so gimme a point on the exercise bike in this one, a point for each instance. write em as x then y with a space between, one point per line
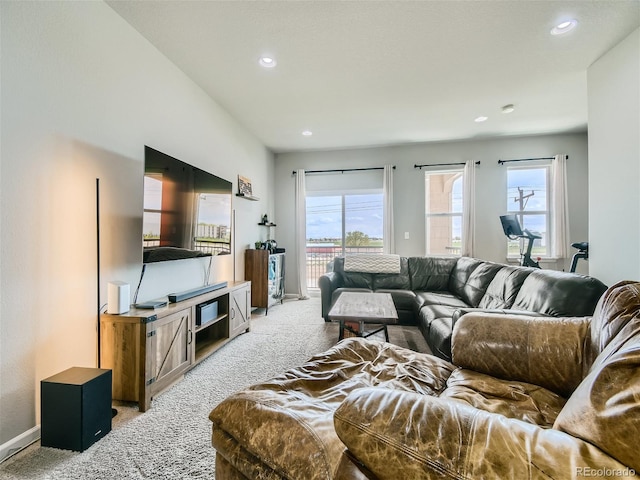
583 252
511 228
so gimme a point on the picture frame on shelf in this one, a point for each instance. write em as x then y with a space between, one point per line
244 186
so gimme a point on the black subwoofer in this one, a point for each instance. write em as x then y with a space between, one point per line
75 408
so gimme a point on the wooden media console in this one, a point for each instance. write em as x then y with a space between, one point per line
149 350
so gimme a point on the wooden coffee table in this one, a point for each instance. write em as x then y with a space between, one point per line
354 310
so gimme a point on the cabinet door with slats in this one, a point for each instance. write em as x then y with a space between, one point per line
239 310
169 342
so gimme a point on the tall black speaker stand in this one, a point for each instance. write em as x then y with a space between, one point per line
114 412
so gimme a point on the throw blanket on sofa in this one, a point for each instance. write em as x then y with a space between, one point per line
375 263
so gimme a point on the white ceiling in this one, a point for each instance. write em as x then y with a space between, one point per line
368 73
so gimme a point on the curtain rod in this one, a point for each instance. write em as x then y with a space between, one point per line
341 170
500 162
441 164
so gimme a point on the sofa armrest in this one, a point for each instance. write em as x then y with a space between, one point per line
328 282
545 351
399 434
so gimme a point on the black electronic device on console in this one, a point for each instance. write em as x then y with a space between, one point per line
194 292
206 312
151 304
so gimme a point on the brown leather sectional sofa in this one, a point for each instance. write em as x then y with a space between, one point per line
433 292
524 397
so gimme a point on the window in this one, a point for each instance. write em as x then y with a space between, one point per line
443 212
528 197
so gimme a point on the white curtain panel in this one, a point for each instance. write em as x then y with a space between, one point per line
387 228
301 234
468 209
560 212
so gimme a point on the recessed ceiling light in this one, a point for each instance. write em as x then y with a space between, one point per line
481 119
508 108
564 27
307 133
267 62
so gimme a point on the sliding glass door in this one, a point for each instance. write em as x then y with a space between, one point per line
340 224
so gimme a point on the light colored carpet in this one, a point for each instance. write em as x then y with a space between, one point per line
173 439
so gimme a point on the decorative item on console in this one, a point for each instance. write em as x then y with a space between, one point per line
270 245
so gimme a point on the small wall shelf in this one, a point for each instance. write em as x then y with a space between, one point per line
269 224
247 197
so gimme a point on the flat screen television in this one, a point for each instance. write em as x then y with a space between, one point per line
187 211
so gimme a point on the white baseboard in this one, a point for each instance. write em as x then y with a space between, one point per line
310 293
16 444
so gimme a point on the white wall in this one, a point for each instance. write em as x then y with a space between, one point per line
614 162
409 187
82 93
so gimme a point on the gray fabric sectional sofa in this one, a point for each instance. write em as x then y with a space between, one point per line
433 292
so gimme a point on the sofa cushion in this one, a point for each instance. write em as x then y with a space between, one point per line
431 273
604 410
402 299
439 340
393 280
338 291
399 435
352 279
616 308
460 274
438 298
435 324
545 351
357 280
429 313
524 401
478 282
503 289
559 293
